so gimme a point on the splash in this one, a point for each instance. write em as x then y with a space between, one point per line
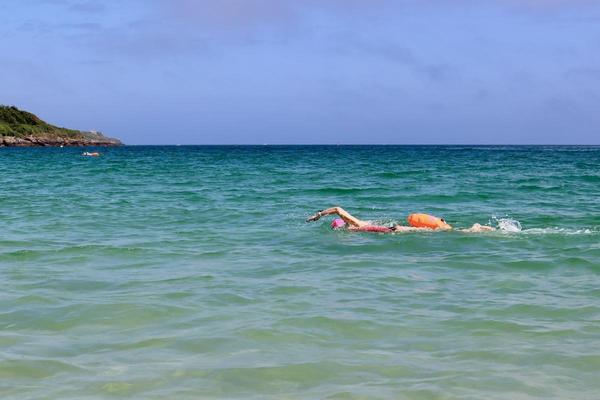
508 224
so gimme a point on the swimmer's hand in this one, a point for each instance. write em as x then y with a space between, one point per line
314 217
479 228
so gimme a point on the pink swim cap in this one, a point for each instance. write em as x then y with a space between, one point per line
337 223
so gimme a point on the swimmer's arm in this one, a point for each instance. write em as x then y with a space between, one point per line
345 215
478 228
402 228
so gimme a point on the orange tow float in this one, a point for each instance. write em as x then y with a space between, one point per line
427 221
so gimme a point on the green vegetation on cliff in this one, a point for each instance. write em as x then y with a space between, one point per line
18 123
22 128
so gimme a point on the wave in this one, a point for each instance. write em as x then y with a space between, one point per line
560 231
510 225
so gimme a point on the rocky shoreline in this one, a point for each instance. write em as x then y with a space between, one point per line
56 141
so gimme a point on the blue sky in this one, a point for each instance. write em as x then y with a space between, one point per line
310 71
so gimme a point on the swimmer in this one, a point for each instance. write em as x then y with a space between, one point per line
418 222
88 154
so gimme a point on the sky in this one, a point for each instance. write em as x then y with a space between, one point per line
308 71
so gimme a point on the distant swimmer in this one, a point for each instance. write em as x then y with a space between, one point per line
92 154
417 222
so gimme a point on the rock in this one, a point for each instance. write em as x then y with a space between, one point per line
44 141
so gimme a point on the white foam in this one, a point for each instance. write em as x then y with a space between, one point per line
508 224
559 231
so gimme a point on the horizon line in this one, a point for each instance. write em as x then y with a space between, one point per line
364 144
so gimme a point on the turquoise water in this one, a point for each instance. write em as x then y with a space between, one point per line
189 273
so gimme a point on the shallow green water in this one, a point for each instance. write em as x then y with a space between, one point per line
188 272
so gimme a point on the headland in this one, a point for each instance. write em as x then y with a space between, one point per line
20 128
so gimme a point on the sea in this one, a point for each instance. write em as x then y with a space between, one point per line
189 272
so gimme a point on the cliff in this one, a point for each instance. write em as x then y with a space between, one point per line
21 128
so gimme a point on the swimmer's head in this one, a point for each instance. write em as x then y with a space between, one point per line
337 223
